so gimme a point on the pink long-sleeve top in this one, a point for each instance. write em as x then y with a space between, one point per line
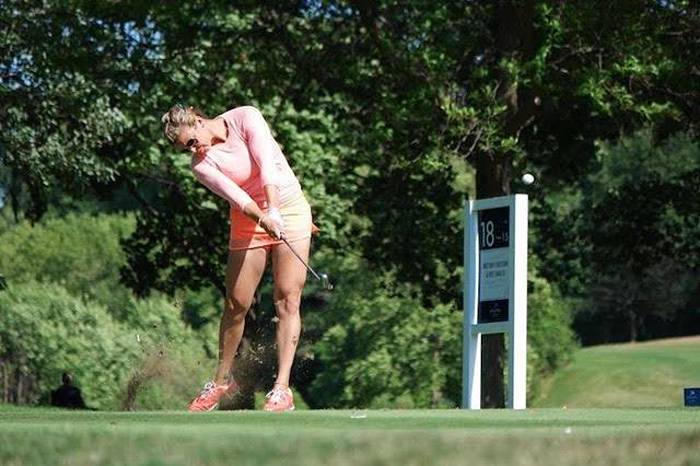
250 158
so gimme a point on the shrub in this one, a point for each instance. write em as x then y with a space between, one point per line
47 331
80 252
550 339
378 345
150 361
173 362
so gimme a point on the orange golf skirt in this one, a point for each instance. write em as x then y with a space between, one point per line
246 234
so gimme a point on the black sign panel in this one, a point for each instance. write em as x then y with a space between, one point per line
494 241
493 311
494 228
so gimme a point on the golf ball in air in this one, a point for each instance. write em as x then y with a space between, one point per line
528 178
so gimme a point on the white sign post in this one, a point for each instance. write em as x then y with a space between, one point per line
495 291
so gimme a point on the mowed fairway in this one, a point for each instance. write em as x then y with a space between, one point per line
649 374
532 437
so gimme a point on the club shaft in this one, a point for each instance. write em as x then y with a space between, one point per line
302 260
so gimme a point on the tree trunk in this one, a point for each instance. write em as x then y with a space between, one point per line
634 324
491 182
514 34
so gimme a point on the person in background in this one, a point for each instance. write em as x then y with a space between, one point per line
67 395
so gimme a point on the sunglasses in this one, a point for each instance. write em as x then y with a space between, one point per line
190 143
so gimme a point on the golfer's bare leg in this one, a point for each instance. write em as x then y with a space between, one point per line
243 273
289 276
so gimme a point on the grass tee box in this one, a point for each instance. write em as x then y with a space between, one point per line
531 437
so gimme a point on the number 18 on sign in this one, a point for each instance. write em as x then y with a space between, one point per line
495 291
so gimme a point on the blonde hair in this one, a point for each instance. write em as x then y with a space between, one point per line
177 117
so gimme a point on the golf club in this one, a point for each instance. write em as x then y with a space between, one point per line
323 278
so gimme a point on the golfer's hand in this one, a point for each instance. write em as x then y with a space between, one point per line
273 223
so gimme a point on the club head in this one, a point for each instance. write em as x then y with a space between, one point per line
325 282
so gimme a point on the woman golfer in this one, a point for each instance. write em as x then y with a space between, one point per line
236 157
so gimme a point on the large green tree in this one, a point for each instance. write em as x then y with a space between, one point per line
547 79
67 73
374 102
644 270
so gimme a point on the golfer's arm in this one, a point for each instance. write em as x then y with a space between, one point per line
253 211
262 147
221 185
272 193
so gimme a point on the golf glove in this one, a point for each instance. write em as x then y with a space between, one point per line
273 223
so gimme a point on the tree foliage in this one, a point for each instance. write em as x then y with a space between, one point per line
46 331
383 108
66 72
646 266
148 361
80 252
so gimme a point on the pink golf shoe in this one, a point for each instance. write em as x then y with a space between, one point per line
279 399
208 399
